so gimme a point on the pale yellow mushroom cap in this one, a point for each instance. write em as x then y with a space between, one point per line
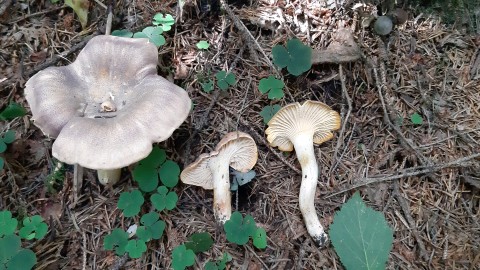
311 117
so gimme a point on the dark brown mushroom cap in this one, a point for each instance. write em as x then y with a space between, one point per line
237 149
108 106
311 117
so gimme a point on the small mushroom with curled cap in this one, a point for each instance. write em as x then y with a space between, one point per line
107 107
211 171
300 126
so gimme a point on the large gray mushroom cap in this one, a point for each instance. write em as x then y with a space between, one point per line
108 106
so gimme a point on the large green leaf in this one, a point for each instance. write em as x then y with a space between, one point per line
361 236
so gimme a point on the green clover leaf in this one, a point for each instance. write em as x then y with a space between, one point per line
9 136
33 227
416 119
130 202
182 257
273 86
239 229
153 224
8 225
13 256
164 199
153 167
165 21
154 34
169 173
13 110
297 57
224 79
117 240
135 248
260 238
268 112
207 86
23 259
199 242
203 45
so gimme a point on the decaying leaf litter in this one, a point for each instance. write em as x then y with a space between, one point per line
424 178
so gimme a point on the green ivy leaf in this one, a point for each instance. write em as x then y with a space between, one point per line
9 136
154 34
169 173
164 199
165 21
182 257
13 110
238 229
268 112
224 79
273 86
8 225
122 33
416 119
199 242
33 227
130 202
260 238
117 240
361 236
296 56
203 45
207 86
135 248
153 224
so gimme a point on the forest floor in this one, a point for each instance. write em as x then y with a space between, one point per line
425 178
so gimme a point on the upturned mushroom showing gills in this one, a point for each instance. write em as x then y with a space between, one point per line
211 171
300 126
107 107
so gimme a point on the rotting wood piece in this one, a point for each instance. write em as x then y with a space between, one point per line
342 49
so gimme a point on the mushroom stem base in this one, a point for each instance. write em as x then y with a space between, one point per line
222 198
109 176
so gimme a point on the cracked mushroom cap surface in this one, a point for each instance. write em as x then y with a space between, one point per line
237 149
311 117
107 107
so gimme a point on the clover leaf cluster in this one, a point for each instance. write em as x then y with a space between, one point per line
13 110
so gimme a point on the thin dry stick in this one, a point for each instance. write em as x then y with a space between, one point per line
411 222
414 171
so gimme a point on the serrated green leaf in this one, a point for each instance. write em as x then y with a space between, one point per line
273 86
361 236
130 202
238 229
203 45
117 240
146 177
169 173
182 257
8 225
12 111
122 33
135 248
416 119
33 227
297 57
260 238
268 112
9 136
80 7
199 242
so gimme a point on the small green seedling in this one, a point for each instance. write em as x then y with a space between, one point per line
219 265
416 119
203 45
122 33
153 33
296 57
130 202
12 111
156 166
268 112
135 248
199 242
224 79
13 256
240 179
273 86
152 223
8 225
182 257
239 229
117 240
207 86
33 228
7 138
165 21
164 199
361 236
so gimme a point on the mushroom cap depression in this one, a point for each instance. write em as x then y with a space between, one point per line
237 149
107 107
312 117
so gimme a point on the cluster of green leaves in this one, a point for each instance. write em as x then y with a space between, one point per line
240 229
361 236
161 23
13 110
12 255
147 174
224 81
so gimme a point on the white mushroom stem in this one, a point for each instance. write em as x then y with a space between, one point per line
109 176
222 198
303 144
